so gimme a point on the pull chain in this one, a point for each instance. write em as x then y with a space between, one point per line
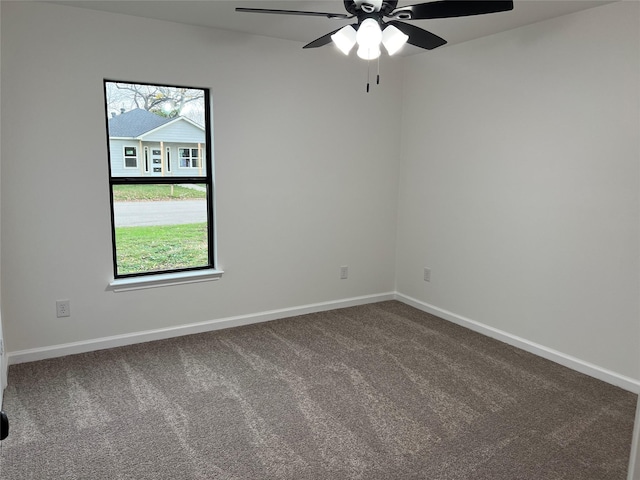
368 68
369 73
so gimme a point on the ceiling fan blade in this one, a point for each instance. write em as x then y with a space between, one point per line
322 41
295 12
451 8
419 37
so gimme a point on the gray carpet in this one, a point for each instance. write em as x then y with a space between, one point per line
381 391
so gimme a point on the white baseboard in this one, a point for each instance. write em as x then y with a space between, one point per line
576 364
568 361
54 351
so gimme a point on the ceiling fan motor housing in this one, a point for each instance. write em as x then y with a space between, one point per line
358 7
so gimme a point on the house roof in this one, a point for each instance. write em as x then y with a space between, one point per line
135 123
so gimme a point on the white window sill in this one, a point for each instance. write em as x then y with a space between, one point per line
164 280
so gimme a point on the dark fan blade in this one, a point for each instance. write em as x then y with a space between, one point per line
451 8
295 12
419 37
322 41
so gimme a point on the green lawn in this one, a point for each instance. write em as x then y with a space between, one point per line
164 247
132 193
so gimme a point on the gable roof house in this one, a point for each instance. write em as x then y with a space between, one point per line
142 143
494 183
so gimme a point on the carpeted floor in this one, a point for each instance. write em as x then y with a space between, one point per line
380 391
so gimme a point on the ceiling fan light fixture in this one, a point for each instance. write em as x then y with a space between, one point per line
369 35
371 15
393 39
345 39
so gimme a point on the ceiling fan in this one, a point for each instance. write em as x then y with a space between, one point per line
370 30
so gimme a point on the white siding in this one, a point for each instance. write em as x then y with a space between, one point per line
180 131
116 152
116 148
179 134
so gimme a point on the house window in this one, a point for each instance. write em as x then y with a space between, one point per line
160 224
130 157
189 157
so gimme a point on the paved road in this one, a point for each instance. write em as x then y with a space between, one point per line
129 214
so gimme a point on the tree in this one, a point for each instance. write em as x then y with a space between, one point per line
161 100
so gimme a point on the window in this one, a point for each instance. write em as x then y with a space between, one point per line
130 157
189 157
146 159
162 220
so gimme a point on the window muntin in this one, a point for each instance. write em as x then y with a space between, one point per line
162 219
189 157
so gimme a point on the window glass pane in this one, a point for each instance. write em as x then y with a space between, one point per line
130 162
160 227
162 116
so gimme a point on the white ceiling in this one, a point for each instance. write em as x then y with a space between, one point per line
221 14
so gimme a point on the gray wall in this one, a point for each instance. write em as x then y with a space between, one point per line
518 177
306 171
519 184
3 358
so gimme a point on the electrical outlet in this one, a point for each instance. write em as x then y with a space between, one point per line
63 308
344 272
427 274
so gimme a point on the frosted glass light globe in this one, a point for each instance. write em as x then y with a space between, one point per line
345 39
393 39
369 53
369 34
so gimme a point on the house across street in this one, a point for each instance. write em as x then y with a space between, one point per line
143 144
